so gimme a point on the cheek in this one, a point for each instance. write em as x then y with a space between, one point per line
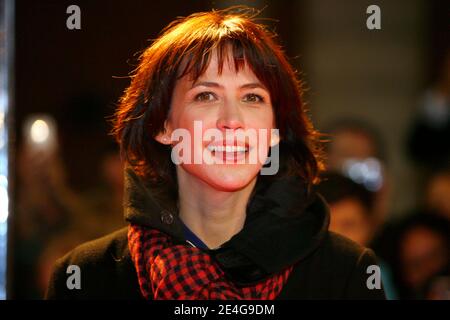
261 118
186 119
265 123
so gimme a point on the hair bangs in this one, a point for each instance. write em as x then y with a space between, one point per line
234 50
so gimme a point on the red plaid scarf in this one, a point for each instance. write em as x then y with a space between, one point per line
167 271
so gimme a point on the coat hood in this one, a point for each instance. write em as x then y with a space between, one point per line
284 224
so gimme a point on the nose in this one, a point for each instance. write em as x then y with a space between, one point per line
230 117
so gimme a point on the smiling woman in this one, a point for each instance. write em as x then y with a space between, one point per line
218 230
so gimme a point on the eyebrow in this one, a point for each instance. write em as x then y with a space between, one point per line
206 84
211 84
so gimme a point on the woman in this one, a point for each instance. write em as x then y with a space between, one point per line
217 228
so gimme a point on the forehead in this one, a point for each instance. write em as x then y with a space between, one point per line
217 66
228 70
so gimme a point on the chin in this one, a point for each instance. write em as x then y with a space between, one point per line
226 178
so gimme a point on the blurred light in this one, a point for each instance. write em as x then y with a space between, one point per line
367 172
3 204
39 131
3 101
2 123
6 70
3 231
3 181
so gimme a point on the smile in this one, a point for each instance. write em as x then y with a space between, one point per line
227 149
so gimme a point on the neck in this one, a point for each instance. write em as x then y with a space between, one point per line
214 216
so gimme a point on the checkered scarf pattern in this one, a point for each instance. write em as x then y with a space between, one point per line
181 272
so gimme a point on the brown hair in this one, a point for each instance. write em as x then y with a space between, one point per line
185 47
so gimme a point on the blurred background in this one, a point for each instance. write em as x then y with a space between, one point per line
382 96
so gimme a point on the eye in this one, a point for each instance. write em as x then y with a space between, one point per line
205 96
253 98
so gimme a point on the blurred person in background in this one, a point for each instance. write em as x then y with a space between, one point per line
45 206
421 257
105 197
355 149
428 139
352 215
437 195
51 217
351 207
416 244
103 214
422 249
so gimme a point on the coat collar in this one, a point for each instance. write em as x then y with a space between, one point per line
283 226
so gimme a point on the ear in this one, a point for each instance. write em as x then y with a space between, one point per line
274 137
165 136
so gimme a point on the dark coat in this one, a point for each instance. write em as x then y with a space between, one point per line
285 225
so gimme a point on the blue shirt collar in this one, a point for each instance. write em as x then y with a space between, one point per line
193 239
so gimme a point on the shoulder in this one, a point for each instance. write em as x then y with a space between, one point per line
99 250
359 268
345 251
338 269
105 270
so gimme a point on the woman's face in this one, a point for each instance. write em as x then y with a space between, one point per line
229 103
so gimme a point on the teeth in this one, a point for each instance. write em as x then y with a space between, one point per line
227 148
